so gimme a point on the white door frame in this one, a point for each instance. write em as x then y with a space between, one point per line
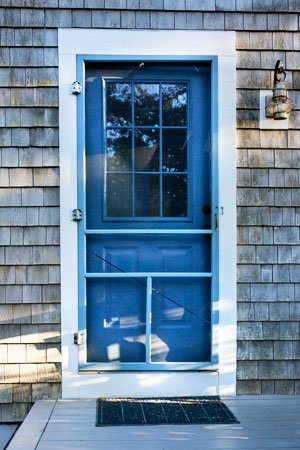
157 43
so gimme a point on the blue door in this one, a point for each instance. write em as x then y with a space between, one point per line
146 241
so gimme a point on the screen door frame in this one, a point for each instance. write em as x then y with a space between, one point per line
149 277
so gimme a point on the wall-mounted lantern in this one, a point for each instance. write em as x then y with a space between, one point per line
279 105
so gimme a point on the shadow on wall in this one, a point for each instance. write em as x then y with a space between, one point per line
30 357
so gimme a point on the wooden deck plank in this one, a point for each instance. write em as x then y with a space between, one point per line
29 433
178 445
74 412
75 404
190 428
251 424
168 432
72 419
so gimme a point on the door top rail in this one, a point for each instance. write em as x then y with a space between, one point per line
148 274
149 231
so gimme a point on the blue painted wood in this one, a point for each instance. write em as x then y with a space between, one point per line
81 59
148 320
149 274
148 231
148 253
142 227
165 366
214 192
80 99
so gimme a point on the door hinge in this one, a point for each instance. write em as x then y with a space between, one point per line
76 88
78 338
77 215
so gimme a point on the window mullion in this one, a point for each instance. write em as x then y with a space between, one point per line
148 319
133 149
160 154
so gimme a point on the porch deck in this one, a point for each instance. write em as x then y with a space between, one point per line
266 422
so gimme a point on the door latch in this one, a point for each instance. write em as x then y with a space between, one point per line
77 215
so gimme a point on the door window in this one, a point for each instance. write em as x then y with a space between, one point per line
146 149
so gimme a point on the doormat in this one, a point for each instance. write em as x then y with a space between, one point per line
162 411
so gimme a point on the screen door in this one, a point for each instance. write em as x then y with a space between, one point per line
146 242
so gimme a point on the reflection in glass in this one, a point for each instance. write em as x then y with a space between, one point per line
118 150
146 104
118 195
118 104
180 320
174 195
147 195
174 150
174 101
146 143
116 313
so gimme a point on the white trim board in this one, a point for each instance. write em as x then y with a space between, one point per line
145 43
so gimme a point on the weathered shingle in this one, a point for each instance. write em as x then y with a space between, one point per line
106 19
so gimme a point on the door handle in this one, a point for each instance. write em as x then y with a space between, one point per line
216 221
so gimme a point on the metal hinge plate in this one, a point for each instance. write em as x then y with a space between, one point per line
76 88
78 338
77 215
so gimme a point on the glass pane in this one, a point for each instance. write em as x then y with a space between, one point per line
180 320
146 104
118 104
118 150
148 253
174 195
119 195
174 150
147 195
146 144
174 98
116 311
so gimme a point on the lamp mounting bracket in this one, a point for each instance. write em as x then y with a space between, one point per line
279 72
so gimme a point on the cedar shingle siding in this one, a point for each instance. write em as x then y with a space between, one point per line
268 165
